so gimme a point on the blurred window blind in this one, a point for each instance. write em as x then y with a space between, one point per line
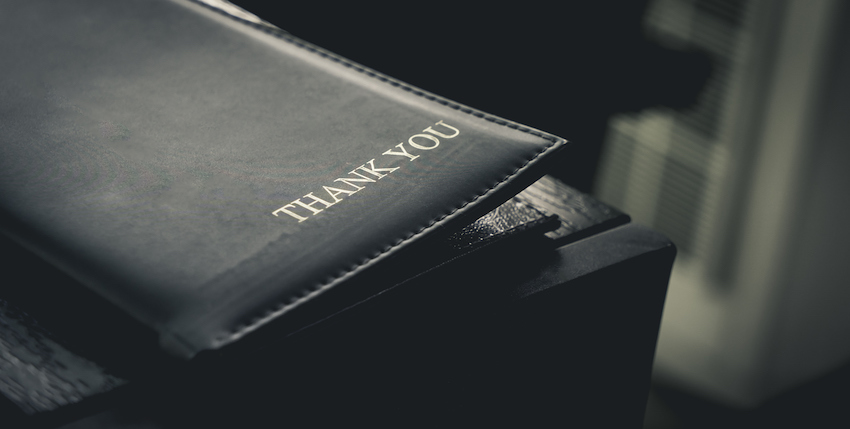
667 168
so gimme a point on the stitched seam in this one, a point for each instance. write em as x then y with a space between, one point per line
283 307
294 300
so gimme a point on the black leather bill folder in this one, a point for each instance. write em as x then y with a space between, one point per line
188 196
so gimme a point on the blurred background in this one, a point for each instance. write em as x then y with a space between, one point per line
721 123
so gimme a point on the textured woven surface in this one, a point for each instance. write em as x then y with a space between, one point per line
38 373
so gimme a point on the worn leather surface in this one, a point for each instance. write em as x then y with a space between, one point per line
145 145
509 218
581 215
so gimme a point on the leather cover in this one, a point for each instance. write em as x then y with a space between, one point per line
209 176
